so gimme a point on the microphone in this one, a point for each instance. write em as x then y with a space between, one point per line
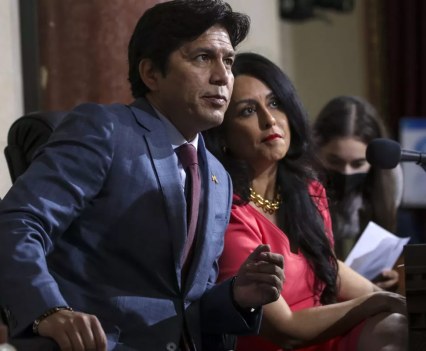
387 153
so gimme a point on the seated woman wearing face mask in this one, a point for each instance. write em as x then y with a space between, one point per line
358 192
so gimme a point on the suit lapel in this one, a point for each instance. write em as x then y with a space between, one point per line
165 166
169 180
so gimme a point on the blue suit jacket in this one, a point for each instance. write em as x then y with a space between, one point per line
98 223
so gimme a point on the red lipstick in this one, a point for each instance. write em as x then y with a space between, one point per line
272 137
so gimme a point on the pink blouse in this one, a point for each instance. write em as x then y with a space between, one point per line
247 229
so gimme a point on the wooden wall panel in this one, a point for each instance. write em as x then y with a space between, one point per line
83 50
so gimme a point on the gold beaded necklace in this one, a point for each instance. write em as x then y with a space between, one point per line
268 206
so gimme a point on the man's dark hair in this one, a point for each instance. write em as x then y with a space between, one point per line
165 27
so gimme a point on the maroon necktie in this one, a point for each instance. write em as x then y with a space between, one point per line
188 157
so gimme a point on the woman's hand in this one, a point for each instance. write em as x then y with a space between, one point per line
387 280
316 324
387 301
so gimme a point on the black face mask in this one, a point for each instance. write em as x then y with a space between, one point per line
340 184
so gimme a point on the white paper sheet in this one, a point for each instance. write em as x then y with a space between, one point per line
376 250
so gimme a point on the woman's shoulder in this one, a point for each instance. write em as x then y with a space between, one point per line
239 206
242 212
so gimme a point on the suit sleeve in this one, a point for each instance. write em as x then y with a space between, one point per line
217 304
222 315
61 181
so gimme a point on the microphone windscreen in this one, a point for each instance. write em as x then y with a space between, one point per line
383 153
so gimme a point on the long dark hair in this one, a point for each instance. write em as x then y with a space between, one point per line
166 26
299 216
353 116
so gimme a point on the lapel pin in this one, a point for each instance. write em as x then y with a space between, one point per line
214 179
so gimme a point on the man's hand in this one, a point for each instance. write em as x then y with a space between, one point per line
260 278
74 331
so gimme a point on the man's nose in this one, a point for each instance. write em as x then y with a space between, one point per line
220 74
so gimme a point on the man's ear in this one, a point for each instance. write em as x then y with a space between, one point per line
149 74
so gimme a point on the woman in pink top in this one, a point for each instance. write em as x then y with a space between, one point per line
264 142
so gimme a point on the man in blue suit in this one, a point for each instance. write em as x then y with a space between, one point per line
92 235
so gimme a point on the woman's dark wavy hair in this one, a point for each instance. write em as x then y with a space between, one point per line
299 216
166 26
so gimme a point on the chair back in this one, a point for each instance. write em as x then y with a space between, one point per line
25 136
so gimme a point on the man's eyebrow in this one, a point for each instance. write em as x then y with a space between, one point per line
212 52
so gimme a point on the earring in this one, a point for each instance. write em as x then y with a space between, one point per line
224 149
